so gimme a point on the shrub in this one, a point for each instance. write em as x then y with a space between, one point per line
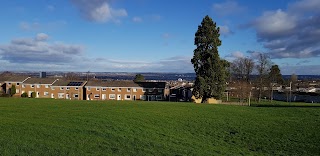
24 95
5 95
13 90
33 95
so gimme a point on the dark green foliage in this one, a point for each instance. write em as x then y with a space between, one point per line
275 75
66 127
13 90
33 94
139 78
24 95
211 71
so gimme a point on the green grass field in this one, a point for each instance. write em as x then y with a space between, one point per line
61 127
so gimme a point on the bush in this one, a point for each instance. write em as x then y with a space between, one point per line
33 95
24 95
5 95
13 90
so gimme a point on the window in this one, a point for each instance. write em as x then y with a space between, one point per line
68 88
46 86
144 90
17 91
76 88
61 88
128 89
38 86
97 89
151 90
112 96
45 93
9 83
128 97
23 86
142 97
160 90
32 86
104 89
96 96
119 89
134 89
88 88
75 95
112 89
17 84
159 97
60 95
52 88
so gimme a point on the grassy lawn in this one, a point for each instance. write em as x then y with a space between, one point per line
64 127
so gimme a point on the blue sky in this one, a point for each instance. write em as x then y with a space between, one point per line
154 35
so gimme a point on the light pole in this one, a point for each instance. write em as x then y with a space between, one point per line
290 92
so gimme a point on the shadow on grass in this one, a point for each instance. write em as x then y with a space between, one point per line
302 106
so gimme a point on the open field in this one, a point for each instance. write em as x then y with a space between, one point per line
61 127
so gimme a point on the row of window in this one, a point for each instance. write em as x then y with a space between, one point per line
128 89
128 97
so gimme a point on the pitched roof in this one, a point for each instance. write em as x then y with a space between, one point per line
40 80
17 78
63 82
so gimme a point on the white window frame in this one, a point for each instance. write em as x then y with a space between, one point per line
46 86
38 86
114 96
113 89
97 89
52 88
126 97
46 93
76 88
119 89
96 96
31 86
134 89
129 90
74 95
61 88
60 95
104 89
144 89
67 88
18 84
88 88
23 86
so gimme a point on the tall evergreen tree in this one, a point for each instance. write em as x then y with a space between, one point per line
139 78
211 71
275 75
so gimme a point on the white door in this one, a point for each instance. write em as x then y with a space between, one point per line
52 96
119 97
104 96
67 96
37 94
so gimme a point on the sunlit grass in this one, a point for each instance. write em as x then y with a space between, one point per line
64 127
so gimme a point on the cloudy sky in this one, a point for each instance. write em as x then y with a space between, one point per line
154 35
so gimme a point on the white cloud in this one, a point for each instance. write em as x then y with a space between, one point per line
275 23
99 10
227 8
290 33
224 30
137 19
38 51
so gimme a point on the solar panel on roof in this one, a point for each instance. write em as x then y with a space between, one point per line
74 83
